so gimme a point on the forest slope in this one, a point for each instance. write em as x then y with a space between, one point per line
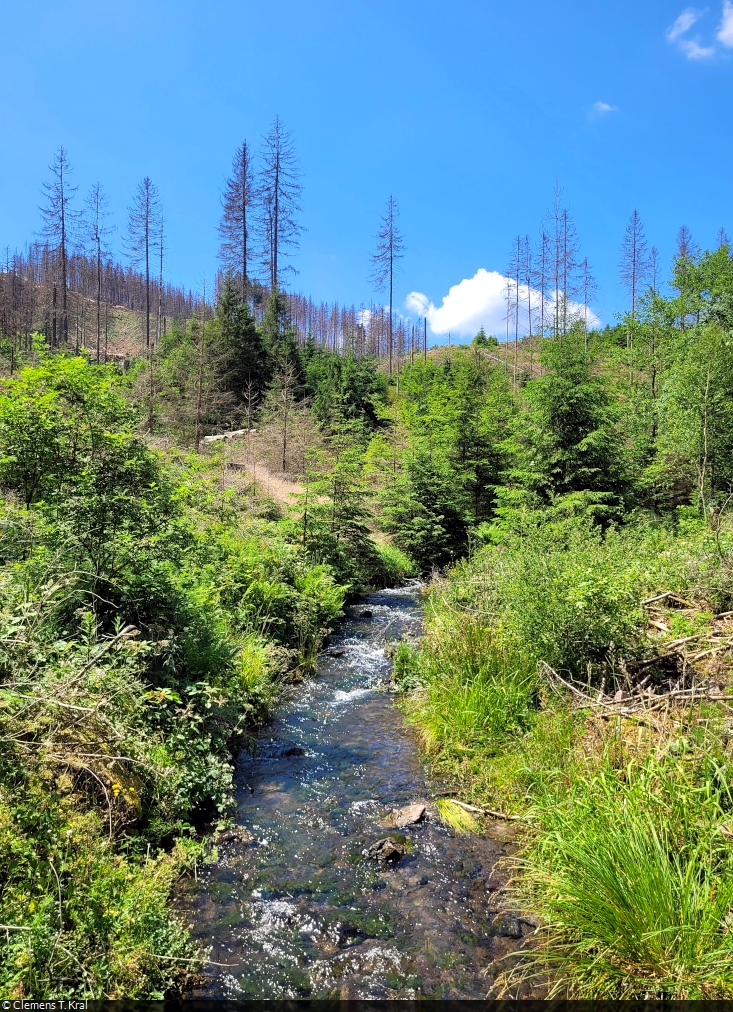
576 670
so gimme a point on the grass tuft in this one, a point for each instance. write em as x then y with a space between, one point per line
635 879
456 818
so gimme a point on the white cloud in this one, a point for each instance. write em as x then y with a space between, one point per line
684 23
478 302
694 51
692 48
602 109
725 31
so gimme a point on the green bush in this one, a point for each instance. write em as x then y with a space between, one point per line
627 859
146 623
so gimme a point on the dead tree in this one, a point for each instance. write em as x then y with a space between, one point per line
279 194
514 273
238 205
654 286
283 400
385 262
633 270
143 229
202 360
60 221
160 325
529 280
634 265
563 261
589 289
97 232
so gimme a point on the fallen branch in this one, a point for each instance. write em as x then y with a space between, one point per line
485 811
182 959
705 653
670 596
687 639
659 625
126 633
595 704
56 702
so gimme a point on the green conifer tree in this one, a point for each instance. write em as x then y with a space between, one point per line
244 363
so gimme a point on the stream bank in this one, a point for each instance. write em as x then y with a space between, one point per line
292 906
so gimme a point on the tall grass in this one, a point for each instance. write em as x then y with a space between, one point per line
627 856
468 701
633 872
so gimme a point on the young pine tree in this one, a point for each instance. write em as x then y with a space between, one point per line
244 364
565 440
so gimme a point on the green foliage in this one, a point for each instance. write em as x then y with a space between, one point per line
424 512
560 500
278 336
440 483
347 391
634 876
705 286
394 565
696 415
146 622
627 858
456 817
57 422
482 341
94 919
565 439
243 361
330 521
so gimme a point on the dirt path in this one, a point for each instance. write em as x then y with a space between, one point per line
274 486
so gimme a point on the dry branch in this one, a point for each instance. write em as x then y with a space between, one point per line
485 811
637 705
668 595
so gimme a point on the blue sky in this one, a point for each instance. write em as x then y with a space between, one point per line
468 112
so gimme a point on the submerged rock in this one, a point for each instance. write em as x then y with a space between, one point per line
366 614
336 652
506 925
285 751
388 850
346 934
234 833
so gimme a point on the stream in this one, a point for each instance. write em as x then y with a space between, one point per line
292 906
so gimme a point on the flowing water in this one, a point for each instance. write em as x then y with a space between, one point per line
292 906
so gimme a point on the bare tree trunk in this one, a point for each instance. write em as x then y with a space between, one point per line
703 464
389 250
199 397
391 280
99 303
